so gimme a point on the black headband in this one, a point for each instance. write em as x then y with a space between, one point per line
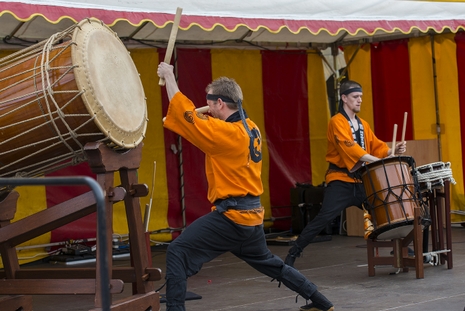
354 89
216 97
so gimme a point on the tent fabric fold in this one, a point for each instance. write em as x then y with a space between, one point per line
271 21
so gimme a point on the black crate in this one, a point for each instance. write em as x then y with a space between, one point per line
306 202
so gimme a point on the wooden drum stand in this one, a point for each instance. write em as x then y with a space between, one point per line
18 284
400 258
439 204
440 215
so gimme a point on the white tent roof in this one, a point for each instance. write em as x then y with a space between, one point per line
301 23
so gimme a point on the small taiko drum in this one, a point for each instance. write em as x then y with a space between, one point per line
432 176
79 86
391 196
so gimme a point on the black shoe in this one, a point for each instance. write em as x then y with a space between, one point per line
294 252
428 259
411 252
290 259
311 307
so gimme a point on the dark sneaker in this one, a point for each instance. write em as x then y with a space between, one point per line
290 259
428 259
411 252
311 307
294 252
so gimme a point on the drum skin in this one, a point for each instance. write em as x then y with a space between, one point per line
391 199
84 88
114 92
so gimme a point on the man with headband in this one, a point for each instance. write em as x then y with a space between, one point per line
351 143
233 162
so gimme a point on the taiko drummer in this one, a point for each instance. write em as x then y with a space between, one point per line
351 143
233 161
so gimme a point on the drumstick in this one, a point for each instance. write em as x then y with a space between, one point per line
394 140
171 41
203 109
148 207
404 126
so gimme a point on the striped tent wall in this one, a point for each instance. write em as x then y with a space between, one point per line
430 95
285 94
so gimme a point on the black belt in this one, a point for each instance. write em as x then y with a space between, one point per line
356 175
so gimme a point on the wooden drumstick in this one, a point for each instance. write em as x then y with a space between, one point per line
171 41
394 140
404 126
148 207
203 109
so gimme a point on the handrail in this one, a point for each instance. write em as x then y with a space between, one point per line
101 224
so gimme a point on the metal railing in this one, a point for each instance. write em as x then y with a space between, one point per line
101 224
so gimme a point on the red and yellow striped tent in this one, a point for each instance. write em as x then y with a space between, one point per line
408 55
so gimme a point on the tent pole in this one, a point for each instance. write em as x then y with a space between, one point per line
332 100
436 100
335 53
344 71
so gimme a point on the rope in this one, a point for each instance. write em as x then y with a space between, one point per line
435 256
368 224
44 96
54 162
434 176
48 90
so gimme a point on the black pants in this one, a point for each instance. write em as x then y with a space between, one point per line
212 235
338 196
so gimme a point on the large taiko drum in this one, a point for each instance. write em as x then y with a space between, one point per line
78 86
391 196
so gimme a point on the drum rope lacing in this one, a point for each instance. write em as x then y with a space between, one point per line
47 89
435 175
75 156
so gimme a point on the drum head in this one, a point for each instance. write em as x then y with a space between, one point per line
397 159
392 232
113 91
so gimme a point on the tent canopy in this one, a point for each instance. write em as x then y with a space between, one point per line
298 24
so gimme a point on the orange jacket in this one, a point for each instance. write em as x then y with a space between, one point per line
344 152
229 169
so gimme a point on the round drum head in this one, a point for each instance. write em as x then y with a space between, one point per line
113 91
393 233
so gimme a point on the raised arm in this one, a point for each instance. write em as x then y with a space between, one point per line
165 71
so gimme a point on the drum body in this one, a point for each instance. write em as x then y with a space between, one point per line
391 197
78 86
432 176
